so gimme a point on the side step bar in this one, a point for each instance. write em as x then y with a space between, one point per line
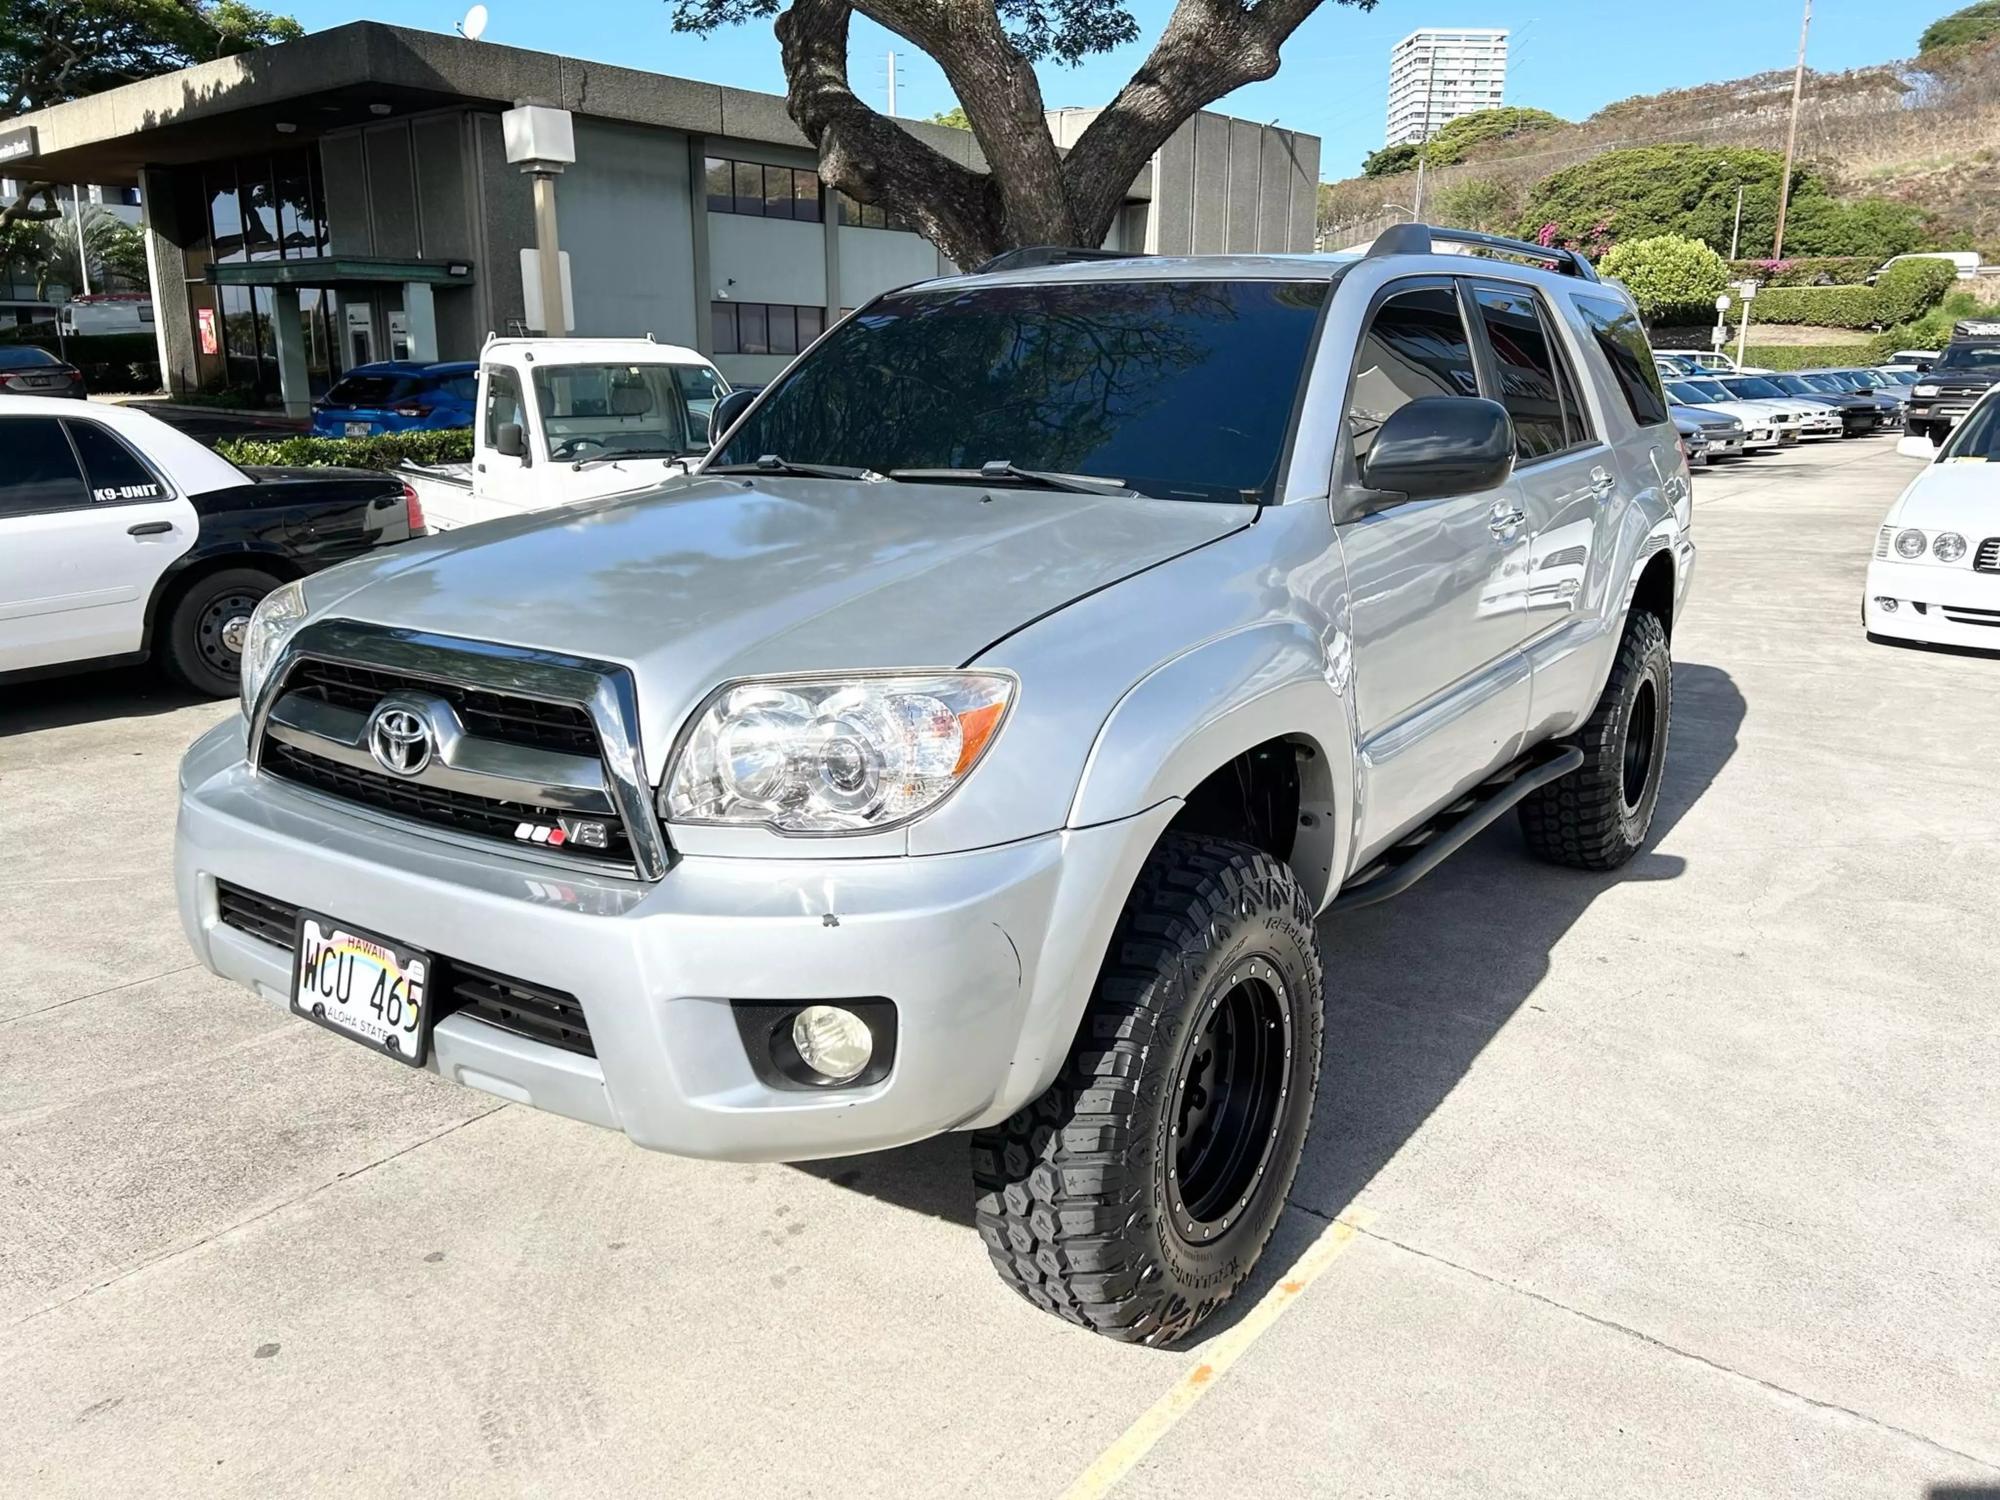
1403 864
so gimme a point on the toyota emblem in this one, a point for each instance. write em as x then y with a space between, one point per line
400 739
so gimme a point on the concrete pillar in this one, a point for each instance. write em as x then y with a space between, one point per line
420 312
167 270
829 214
291 337
704 288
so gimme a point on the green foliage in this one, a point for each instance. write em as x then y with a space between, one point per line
1457 138
1805 270
1820 356
1819 306
56 50
1391 160
1667 272
1488 203
453 445
1933 329
955 117
1911 288
1691 191
1976 23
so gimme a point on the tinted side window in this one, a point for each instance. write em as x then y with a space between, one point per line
503 403
1534 381
37 467
1415 346
116 476
1623 343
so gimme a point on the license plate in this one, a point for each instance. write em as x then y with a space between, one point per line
363 986
41 381
359 429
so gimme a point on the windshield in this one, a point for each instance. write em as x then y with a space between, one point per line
1977 439
1176 389
1756 387
611 411
24 356
1710 390
1797 385
372 390
1971 357
1686 393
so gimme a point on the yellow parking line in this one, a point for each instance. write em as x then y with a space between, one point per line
1115 1462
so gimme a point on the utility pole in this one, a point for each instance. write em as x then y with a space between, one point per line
1424 141
1736 234
892 85
1792 137
82 258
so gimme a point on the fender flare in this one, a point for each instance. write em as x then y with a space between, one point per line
1198 711
272 558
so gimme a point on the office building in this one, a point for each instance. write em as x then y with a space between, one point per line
1438 74
346 197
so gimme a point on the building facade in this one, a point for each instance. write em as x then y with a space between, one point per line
1438 74
346 198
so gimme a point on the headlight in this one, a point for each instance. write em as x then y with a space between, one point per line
1909 544
281 612
1948 546
833 755
1925 390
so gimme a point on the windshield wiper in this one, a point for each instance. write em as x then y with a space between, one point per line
612 458
1000 470
770 463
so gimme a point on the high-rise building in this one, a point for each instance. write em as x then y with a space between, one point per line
1440 73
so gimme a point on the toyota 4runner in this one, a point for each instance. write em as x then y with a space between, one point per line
975 741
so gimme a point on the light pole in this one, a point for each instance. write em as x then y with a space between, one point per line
1749 290
1792 137
1736 233
541 140
1424 141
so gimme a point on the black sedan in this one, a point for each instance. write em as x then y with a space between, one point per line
1859 415
28 371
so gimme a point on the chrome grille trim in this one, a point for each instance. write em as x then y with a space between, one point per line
602 689
1987 558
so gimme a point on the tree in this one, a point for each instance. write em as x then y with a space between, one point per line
1031 193
52 51
1976 23
1667 273
1486 203
954 117
1391 160
1456 138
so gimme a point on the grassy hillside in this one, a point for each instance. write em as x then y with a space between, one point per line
1922 133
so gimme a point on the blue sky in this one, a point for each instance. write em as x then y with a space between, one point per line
1570 56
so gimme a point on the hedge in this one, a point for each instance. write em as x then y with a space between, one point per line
1911 288
450 446
1815 356
1805 270
1821 306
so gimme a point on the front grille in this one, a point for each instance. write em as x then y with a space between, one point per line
1987 558
437 807
487 714
553 1017
1959 615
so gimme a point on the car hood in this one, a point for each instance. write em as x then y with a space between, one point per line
713 579
1961 497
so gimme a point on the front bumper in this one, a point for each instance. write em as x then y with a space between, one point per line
988 957
1936 604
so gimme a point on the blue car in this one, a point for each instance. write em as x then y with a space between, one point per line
397 395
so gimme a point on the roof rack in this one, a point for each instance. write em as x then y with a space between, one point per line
1976 328
1419 239
1030 256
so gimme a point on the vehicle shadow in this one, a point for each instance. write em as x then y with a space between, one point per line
1416 988
111 693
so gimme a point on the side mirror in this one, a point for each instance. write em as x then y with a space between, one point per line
1441 445
508 440
727 410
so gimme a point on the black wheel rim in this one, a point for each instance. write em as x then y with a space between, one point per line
218 634
1641 729
1230 1093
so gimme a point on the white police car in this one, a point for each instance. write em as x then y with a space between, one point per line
1935 575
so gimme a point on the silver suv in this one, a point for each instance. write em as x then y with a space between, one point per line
974 743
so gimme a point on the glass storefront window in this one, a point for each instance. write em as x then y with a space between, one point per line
225 219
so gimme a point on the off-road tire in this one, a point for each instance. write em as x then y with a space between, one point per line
191 647
1596 818
1078 1192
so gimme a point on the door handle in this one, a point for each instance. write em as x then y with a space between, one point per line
150 528
1504 521
1601 485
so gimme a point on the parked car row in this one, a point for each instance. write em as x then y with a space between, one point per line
1732 415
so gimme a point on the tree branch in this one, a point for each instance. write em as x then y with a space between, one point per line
870 156
18 211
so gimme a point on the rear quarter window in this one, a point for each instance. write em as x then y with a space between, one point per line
1617 336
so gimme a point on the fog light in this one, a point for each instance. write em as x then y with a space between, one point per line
834 1043
1887 606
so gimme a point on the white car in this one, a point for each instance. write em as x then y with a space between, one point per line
1935 576
1766 424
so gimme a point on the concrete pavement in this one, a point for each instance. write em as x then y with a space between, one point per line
1682 1182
